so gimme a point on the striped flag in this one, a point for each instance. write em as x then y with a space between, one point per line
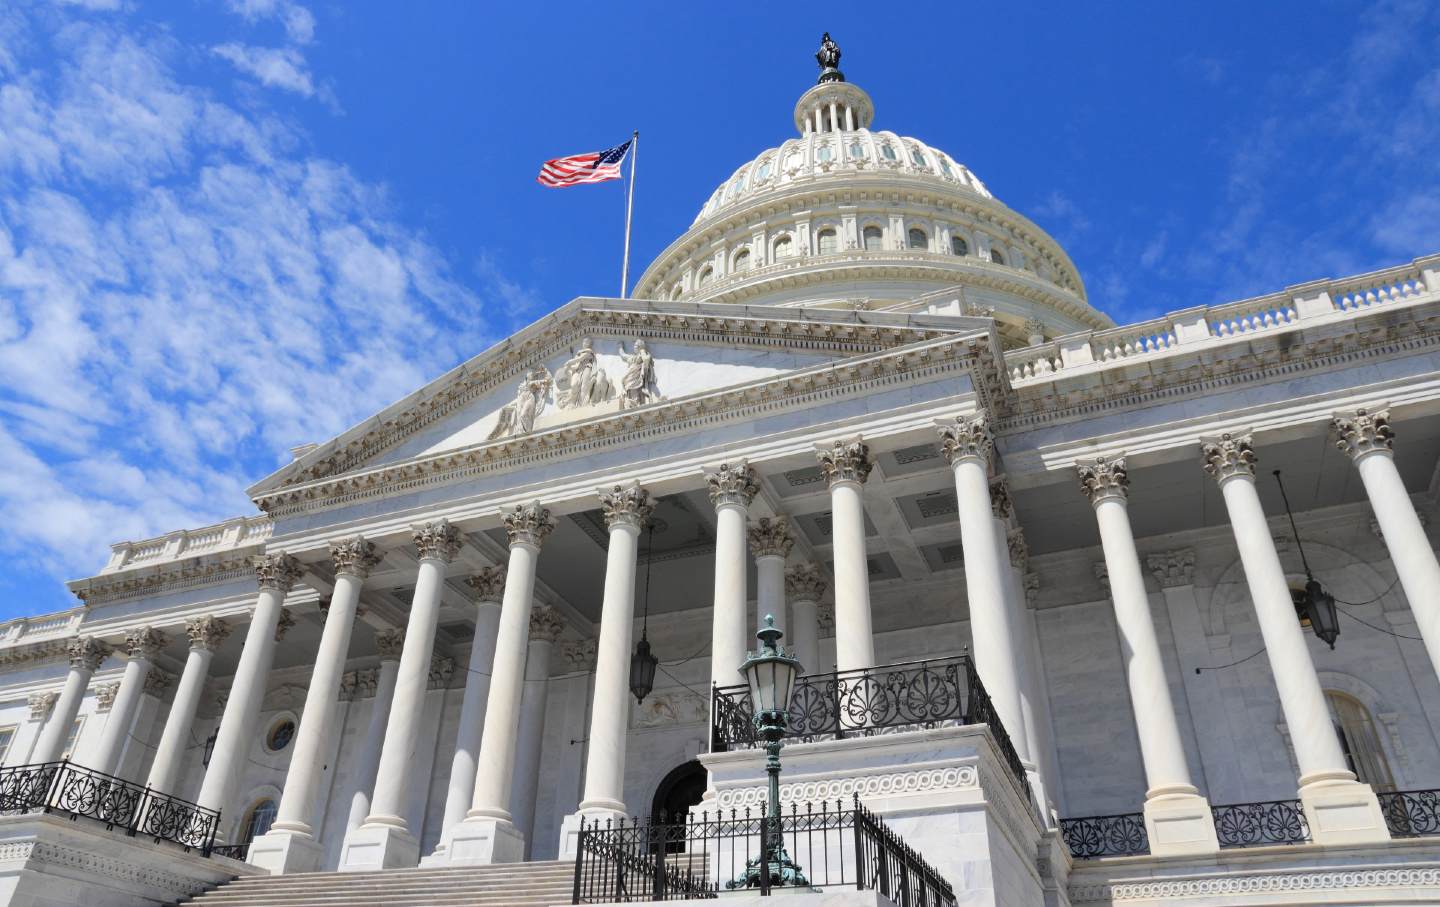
595 167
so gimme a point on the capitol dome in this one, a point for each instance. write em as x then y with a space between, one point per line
846 216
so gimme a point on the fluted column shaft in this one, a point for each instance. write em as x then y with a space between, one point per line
141 647
490 583
847 465
368 759
206 634
86 653
732 488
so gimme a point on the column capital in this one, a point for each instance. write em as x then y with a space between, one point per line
389 644
354 556
41 703
626 506
845 461
438 541
1360 432
732 483
1228 456
546 624
86 652
144 642
157 682
966 438
528 524
1000 504
277 571
805 582
1032 588
1173 568
206 632
770 537
825 619
1103 479
580 654
1019 548
284 623
105 694
488 583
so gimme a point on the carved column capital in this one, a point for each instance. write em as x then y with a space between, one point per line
805 582
389 644
1103 480
1019 548
144 642
732 483
437 541
546 624
1173 568
41 704
354 556
1000 504
579 654
1032 588
488 583
105 694
1228 456
770 537
966 438
277 571
845 461
283 625
528 524
206 632
86 652
825 619
1360 432
157 682
626 505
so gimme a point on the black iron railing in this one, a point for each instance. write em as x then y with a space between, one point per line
1411 813
233 851
76 791
916 694
1120 835
1258 824
701 856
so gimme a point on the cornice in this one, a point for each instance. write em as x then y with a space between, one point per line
170 577
35 652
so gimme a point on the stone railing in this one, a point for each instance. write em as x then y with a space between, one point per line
48 626
183 543
1328 299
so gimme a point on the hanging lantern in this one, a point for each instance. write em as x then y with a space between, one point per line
1320 608
643 663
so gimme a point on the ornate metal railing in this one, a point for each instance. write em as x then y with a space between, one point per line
1258 824
1120 835
233 851
701 856
1411 813
76 791
910 695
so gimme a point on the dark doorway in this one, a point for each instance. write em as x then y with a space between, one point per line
681 789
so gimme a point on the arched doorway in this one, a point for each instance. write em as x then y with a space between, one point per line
679 790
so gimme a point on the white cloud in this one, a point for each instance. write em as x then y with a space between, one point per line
298 21
273 67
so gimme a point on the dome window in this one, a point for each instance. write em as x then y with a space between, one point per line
824 153
918 239
783 247
918 158
741 261
945 167
793 161
762 173
827 242
857 151
704 277
996 257
958 246
887 151
874 239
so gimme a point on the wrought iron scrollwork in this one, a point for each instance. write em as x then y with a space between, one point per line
1411 813
1256 824
1105 836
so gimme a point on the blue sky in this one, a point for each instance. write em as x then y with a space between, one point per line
228 227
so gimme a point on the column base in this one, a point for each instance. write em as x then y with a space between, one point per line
570 828
480 841
374 846
1342 812
1180 825
280 852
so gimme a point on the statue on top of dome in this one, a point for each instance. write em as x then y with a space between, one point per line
828 56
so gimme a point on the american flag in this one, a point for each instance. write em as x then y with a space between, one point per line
594 167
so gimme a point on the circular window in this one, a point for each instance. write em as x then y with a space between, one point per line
280 735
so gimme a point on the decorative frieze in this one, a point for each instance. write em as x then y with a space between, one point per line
805 582
579 654
105 694
144 642
41 704
546 624
284 623
438 541
277 571
626 506
732 484
86 652
206 632
528 524
917 782
770 537
966 438
1362 432
1103 480
389 644
488 583
359 684
1228 456
157 682
1173 568
845 461
354 556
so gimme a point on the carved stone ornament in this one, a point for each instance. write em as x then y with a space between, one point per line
144 642
354 556
438 541
638 386
581 382
732 483
518 417
389 644
277 571
105 695
626 506
442 669
41 704
157 682
546 624
1033 327
1361 432
966 438
86 652
845 461
1000 504
1228 456
1102 576
528 524
1173 568
825 619
1103 480
206 632
283 625
488 583
805 582
1032 587
579 654
770 537
1019 548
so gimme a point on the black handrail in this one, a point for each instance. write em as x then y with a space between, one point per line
1258 824
1411 813
1121 835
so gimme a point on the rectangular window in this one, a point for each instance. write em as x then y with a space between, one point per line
74 736
7 737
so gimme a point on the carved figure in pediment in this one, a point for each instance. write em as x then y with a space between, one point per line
638 384
581 381
518 417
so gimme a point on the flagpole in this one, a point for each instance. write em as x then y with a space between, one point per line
629 208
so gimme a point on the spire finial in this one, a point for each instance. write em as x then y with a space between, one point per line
828 56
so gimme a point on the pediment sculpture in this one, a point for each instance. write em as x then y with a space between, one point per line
579 385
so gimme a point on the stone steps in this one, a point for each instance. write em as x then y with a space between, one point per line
501 885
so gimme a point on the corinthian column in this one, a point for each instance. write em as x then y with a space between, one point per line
388 645
141 647
804 585
770 542
206 634
1369 440
546 625
489 834
1339 809
385 841
1177 818
732 488
291 844
86 653
275 573
847 465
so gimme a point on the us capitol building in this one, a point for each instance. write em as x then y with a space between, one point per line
1061 633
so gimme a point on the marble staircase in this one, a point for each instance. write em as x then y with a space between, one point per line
500 885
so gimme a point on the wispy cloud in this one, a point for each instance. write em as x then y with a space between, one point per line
298 21
273 67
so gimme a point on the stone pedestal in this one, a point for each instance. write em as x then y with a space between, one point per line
482 840
1342 811
570 828
1179 825
286 851
373 846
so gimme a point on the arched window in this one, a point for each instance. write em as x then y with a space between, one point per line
996 257
887 151
704 277
741 262
783 247
257 821
918 239
874 239
917 157
827 242
1360 742
824 153
762 173
857 151
958 246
